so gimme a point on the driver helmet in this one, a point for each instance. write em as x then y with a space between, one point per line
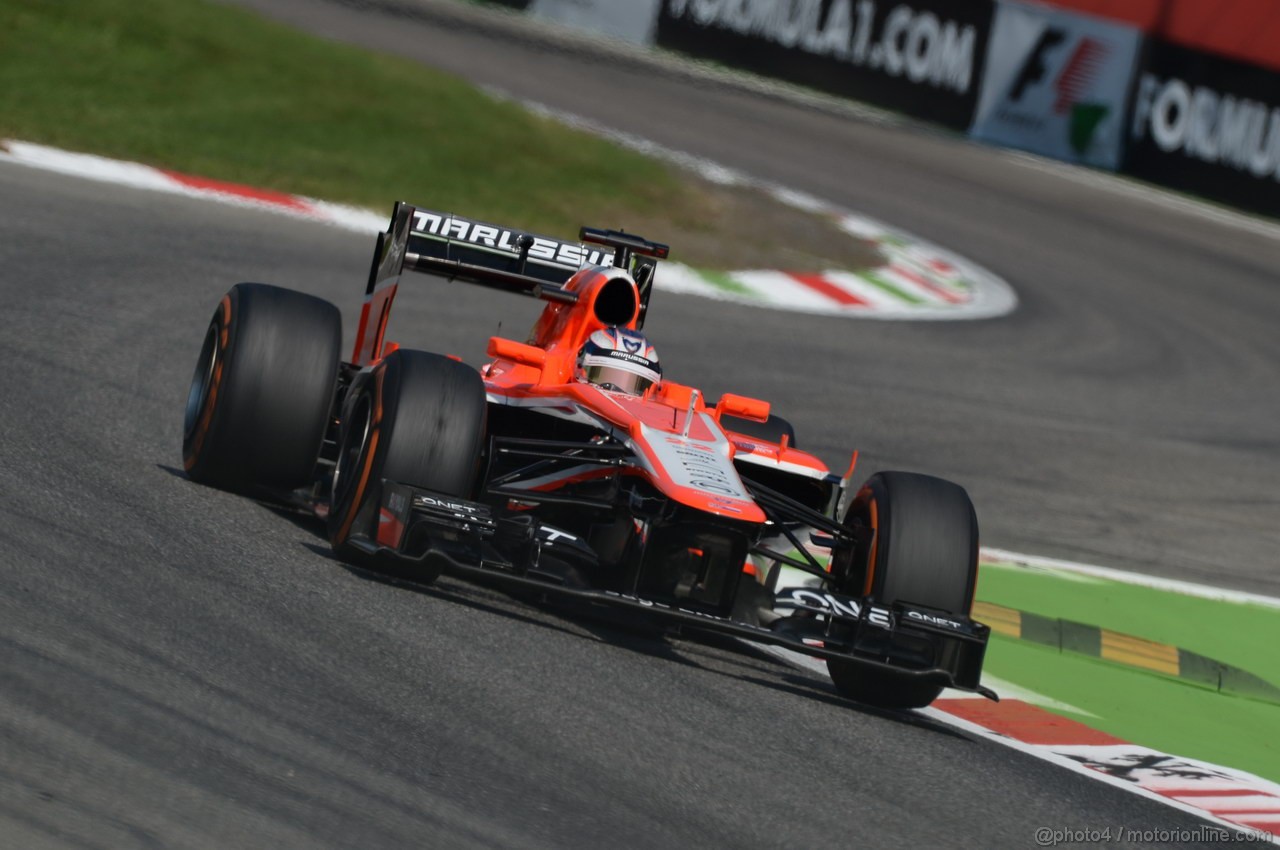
620 360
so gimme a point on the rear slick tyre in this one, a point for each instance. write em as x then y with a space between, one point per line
924 553
260 398
417 419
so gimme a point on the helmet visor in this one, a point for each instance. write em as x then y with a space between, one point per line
619 380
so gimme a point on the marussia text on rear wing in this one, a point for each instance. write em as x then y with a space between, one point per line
488 255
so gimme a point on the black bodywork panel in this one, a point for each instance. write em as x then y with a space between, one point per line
614 543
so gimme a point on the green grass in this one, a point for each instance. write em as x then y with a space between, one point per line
1245 636
1174 715
219 92
1147 709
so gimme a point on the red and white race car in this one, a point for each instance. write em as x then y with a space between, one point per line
569 462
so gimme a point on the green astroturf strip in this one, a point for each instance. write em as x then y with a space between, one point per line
1152 710
1147 709
219 92
896 292
1245 636
723 281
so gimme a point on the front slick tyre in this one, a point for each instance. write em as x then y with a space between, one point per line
924 553
261 394
417 419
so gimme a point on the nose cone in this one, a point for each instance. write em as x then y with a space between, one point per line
695 469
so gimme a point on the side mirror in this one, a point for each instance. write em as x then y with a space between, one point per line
743 407
517 352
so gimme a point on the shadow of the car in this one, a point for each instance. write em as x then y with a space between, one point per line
629 632
709 653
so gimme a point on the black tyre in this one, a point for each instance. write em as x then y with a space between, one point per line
772 429
924 553
416 418
261 394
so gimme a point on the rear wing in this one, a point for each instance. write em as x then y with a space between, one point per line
488 255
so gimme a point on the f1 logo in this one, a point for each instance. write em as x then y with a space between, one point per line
1034 67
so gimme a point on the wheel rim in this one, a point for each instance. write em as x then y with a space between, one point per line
351 456
201 381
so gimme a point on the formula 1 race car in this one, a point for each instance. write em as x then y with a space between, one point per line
570 464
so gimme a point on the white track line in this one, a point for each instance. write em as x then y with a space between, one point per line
138 176
1185 588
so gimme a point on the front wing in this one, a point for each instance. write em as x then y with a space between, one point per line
434 532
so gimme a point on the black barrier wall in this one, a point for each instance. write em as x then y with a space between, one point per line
1207 125
924 58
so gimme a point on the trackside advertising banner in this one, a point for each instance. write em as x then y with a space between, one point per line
1207 125
632 20
922 57
1056 84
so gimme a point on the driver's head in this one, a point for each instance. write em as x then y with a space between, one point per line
620 360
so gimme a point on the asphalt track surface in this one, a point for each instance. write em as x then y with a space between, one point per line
185 668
